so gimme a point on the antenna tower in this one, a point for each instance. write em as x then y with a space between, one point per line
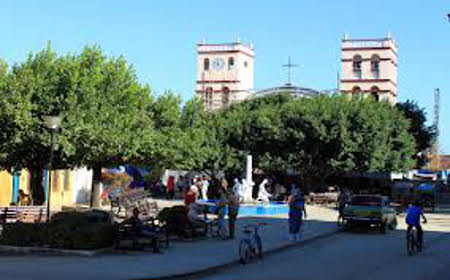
436 120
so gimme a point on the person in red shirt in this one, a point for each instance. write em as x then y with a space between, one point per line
171 187
189 197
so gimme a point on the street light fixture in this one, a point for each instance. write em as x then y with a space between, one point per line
53 123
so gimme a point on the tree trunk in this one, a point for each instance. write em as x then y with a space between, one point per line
96 187
36 184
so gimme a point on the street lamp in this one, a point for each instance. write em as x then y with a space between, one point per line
53 123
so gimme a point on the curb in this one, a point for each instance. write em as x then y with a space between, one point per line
214 269
50 251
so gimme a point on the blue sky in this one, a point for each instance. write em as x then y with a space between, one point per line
159 38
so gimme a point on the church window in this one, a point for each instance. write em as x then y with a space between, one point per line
375 66
230 63
225 96
374 93
245 64
356 93
206 64
209 97
357 60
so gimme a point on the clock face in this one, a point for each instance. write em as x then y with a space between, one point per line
218 63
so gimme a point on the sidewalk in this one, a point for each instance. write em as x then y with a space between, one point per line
180 258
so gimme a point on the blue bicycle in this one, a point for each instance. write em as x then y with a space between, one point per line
250 246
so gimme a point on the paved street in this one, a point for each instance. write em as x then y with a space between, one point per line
182 257
357 255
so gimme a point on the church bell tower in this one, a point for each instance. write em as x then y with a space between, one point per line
224 73
369 68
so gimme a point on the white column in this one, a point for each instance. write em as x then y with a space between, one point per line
249 172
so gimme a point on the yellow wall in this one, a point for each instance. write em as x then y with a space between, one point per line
5 188
24 183
62 187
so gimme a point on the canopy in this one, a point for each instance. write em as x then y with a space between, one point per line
425 187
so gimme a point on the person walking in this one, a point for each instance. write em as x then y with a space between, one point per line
296 203
170 187
181 184
221 209
205 186
233 211
343 199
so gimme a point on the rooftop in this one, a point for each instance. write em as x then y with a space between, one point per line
295 91
369 42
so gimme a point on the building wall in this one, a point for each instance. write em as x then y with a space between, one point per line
238 79
82 183
62 187
61 191
5 188
386 81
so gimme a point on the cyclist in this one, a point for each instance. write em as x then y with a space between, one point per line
413 214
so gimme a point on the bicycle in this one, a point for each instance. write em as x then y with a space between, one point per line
250 245
412 243
213 230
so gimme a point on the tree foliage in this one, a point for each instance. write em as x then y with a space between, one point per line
316 137
423 133
106 111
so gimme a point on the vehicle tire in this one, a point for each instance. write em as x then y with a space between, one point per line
117 244
244 252
393 225
383 228
347 226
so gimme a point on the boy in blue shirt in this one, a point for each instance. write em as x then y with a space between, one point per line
413 214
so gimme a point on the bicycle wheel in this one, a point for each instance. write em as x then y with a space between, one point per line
244 252
259 247
410 244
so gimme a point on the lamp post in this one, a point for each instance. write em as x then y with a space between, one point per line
53 123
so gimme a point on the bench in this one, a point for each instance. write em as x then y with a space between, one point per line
135 199
24 214
126 232
8 215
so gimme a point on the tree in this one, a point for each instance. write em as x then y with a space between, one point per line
423 134
105 109
317 137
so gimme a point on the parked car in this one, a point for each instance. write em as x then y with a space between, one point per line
370 210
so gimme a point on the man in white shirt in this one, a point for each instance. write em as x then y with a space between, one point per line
205 185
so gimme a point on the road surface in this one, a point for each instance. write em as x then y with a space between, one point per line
356 255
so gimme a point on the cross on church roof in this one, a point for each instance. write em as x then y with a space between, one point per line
289 65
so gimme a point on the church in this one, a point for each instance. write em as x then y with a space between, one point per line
225 72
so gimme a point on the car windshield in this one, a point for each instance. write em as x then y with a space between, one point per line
366 200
